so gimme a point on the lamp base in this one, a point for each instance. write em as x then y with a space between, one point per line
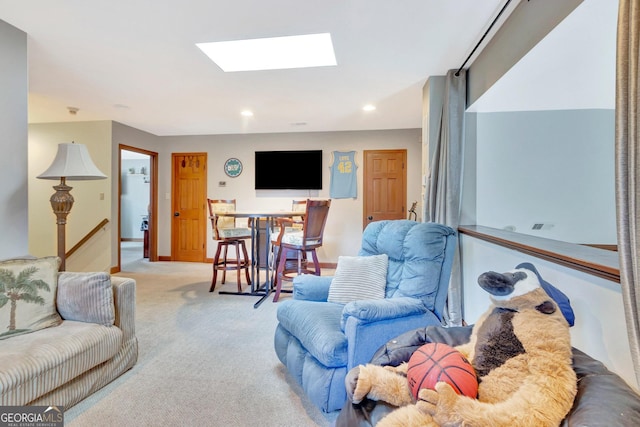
62 202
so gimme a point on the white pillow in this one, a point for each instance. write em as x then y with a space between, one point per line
359 278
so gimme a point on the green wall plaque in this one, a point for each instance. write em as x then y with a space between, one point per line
233 167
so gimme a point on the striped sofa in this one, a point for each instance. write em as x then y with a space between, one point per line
61 365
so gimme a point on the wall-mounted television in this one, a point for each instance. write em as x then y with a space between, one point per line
288 170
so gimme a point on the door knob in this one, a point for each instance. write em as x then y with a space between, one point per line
370 218
176 214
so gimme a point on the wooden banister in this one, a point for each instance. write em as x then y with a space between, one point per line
597 262
86 238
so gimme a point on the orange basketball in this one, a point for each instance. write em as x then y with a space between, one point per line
436 362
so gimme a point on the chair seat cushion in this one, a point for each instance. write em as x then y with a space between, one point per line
292 237
317 326
276 231
230 233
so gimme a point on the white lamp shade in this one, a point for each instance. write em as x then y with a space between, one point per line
73 163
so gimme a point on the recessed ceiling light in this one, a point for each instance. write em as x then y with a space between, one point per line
313 50
369 107
247 113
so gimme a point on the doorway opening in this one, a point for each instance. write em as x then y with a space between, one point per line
137 209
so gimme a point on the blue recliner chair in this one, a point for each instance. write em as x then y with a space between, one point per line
320 341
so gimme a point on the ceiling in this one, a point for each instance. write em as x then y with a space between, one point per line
136 62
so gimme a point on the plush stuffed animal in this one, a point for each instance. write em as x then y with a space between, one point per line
521 350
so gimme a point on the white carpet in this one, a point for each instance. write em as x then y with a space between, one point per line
205 359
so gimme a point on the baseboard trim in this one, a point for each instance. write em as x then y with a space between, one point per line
330 265
131 239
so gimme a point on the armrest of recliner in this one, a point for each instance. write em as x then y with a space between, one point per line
371 323
311 288
382 309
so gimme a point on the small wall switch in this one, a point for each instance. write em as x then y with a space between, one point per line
542 226
222 183
167 196
101 196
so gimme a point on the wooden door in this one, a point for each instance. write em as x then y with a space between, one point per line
385 185
189 198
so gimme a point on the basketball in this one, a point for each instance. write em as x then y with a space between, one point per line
437 362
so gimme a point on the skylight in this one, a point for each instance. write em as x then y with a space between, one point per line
313 50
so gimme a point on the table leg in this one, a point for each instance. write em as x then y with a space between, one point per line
256 288
267 284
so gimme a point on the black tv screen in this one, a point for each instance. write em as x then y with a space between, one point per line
288 170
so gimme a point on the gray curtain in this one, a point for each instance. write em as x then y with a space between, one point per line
627 154
444 185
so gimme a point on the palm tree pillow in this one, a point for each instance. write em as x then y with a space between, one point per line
28 295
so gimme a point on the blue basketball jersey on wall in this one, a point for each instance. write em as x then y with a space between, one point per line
344 183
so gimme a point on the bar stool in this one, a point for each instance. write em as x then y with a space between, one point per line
296 225
301 241
227 234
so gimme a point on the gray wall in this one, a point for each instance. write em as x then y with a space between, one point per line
125 135
13 141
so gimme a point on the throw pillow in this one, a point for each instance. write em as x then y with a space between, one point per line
86 297
359 278
27 295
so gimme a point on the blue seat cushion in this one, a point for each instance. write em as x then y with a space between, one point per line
317 326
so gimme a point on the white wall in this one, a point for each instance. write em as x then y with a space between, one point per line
343 231
552 167
134 197
13 142
600 329
92 198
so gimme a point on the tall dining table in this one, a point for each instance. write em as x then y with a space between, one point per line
261 290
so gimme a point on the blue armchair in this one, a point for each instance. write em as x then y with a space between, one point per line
320 341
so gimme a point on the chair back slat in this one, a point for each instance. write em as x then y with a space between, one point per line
315 220
221 222
298 206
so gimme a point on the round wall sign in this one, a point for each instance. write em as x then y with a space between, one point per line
233 167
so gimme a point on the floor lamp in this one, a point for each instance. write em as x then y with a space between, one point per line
73 163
